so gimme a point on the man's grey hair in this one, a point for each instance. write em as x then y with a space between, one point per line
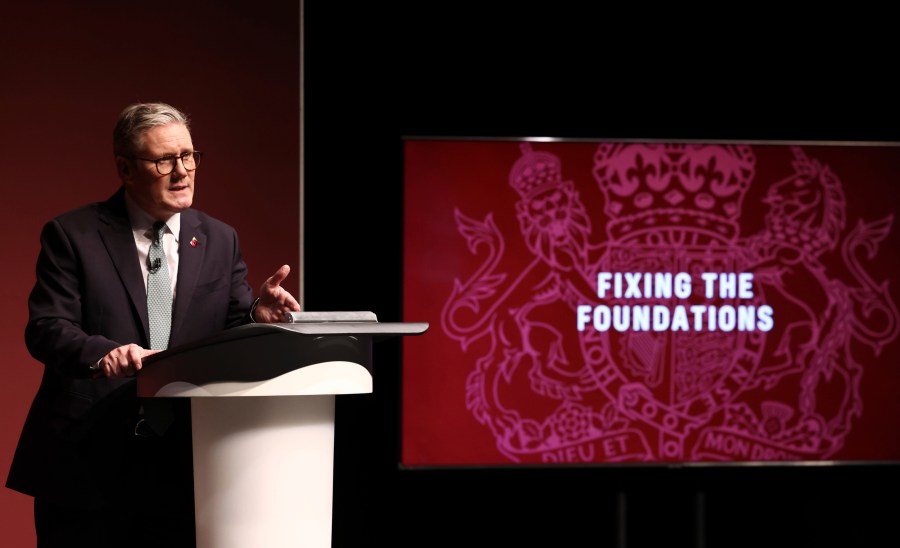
136 119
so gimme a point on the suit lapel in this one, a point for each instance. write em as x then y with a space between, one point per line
115 231
191 251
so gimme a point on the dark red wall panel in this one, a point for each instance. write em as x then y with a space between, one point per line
68 69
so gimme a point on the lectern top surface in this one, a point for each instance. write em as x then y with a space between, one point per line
377 331
271 359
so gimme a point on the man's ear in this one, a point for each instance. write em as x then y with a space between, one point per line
124 168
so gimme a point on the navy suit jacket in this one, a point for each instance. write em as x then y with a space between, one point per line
78 446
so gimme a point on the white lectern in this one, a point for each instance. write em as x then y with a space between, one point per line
262 413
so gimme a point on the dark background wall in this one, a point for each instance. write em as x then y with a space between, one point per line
373 76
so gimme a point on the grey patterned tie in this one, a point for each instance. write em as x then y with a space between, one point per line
157 412
159 291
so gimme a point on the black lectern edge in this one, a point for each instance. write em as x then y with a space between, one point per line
378 331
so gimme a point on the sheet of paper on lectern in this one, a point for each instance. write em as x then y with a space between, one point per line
338 316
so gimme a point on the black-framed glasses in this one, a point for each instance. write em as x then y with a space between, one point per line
166 164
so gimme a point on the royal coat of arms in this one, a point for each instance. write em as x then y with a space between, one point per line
654 319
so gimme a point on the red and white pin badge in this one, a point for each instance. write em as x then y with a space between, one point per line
194 242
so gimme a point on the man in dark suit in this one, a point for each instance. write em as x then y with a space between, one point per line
100 476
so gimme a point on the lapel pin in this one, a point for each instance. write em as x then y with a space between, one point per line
194 242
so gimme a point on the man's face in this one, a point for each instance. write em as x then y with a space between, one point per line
159 195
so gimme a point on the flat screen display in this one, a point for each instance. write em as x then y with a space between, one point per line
624 302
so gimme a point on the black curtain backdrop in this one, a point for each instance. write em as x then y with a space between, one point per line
374 76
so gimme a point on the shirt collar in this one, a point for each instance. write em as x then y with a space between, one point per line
142 222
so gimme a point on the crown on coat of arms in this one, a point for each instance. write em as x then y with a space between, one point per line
534 172
689 186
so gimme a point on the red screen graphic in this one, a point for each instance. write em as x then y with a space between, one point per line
639 302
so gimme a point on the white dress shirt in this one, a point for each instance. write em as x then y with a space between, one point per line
142 227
